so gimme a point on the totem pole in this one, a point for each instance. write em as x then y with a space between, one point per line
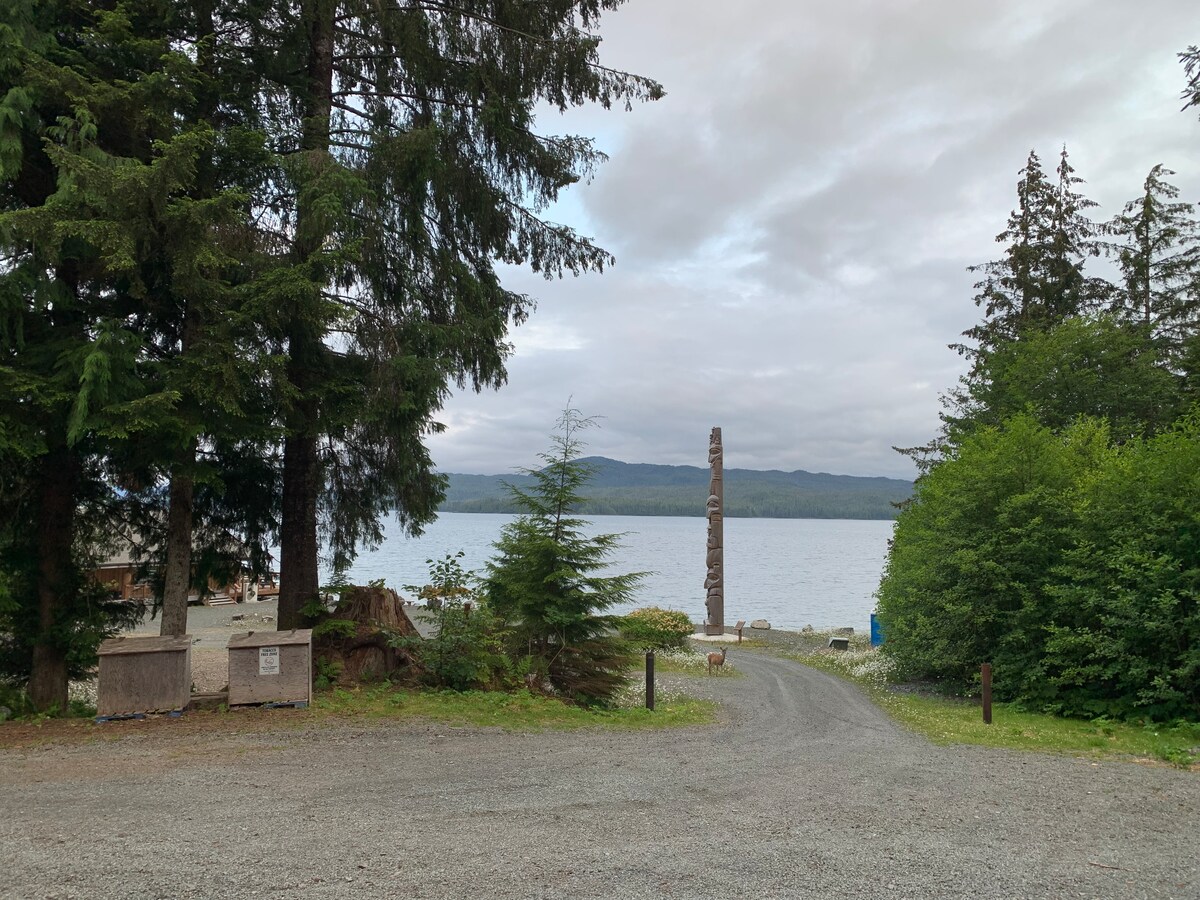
714 583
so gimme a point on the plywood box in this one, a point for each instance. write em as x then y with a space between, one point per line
270 667
144 674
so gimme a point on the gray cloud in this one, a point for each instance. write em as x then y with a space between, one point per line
793 222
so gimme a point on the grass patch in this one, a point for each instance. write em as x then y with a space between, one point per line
956 721
512 712
693 661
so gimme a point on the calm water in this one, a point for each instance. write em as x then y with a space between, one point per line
791 572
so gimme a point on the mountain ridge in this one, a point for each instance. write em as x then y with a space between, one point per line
621 488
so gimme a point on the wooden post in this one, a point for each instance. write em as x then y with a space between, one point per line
650 680
985 673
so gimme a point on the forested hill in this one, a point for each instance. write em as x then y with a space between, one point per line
639 489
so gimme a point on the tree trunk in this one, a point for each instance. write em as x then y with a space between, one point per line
298 578
55 574
177 577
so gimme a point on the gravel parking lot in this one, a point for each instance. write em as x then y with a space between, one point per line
804 789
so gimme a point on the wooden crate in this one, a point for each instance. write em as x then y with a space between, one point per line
270 667
144 674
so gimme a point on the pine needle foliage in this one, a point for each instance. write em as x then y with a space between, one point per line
1156 243
1191 67
548 582
413 168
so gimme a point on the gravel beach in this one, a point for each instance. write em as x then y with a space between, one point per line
804 789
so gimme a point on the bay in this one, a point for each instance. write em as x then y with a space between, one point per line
791 572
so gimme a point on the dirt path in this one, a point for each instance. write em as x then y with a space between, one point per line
807 790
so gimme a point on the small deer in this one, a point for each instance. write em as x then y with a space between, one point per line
717 659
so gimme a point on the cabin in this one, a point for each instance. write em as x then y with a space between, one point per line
121 576
127 579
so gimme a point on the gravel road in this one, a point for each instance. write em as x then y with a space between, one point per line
805 789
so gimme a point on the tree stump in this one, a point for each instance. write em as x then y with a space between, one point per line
358 635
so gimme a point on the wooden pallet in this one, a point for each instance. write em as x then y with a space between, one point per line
124 717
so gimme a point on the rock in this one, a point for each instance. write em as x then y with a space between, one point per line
839 643
761 624
846 631
807 629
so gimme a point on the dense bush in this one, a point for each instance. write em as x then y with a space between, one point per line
1072 565
1125 636
652 628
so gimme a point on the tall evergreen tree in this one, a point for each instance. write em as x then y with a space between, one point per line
1157 245
82 90
207 349
1039 281
1037 285
124 212
417 168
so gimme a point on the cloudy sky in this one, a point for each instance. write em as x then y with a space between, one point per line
793 222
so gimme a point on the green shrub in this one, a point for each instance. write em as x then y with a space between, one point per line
448 582
327 673
467 653
1065 560
653 628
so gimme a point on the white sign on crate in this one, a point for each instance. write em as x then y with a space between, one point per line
268 660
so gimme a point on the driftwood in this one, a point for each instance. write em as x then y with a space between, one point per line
363 650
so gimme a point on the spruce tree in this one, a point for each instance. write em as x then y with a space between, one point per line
1039 281
547 580
1037 285
1157 245
121 234
69 354
417 168
208 350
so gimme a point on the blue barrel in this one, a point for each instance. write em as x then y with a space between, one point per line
876 631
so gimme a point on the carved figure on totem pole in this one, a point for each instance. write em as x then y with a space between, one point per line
714 581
